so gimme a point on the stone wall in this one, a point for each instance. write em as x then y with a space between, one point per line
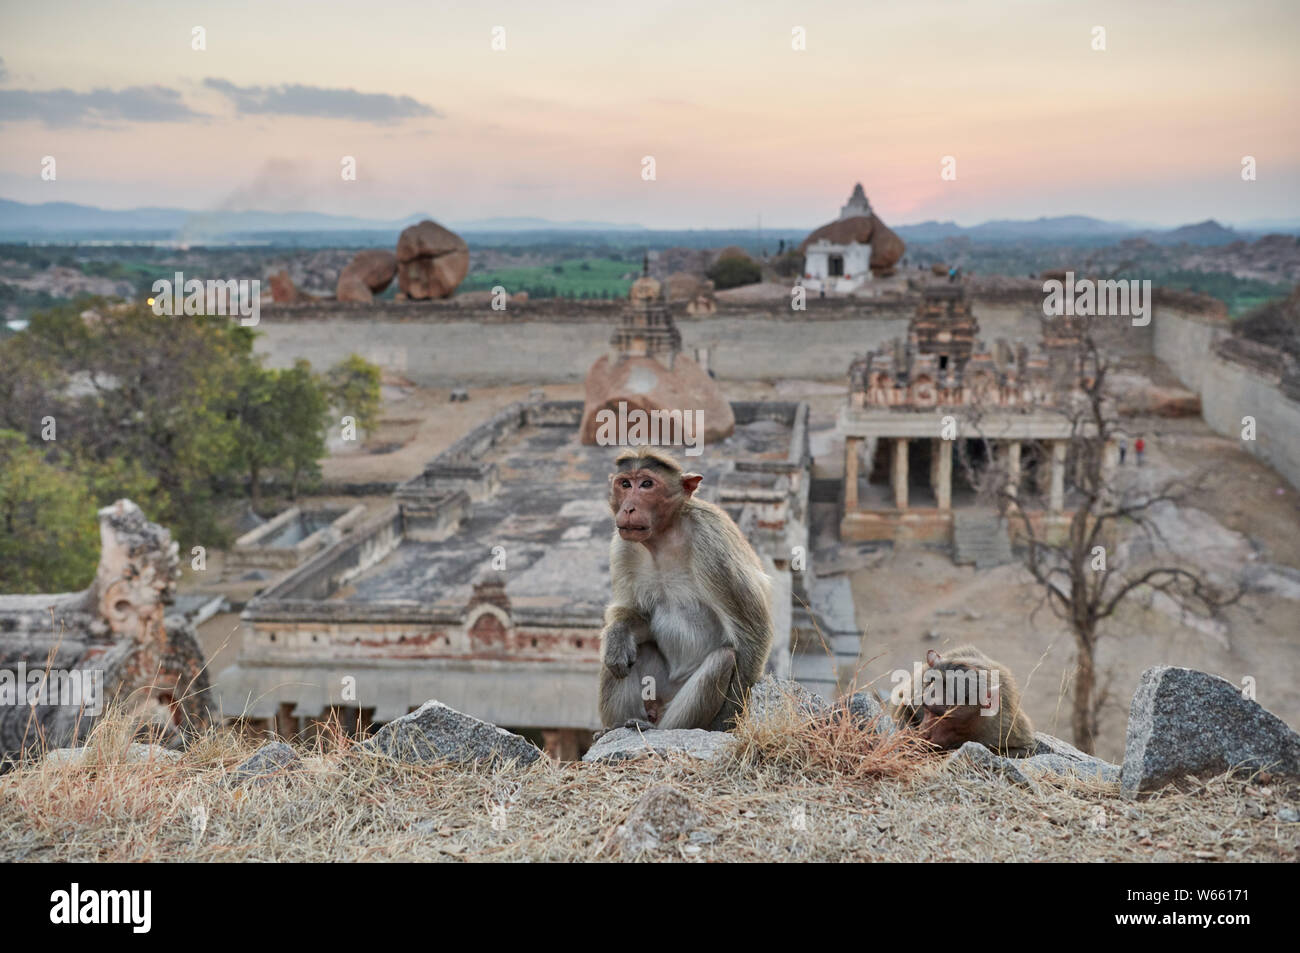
1233 382
556 343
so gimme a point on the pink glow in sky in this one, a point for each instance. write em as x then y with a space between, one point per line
1152 129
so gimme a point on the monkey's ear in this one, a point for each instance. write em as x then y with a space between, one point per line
932 658
691 482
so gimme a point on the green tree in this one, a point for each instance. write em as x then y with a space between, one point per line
733 271
353 389
280 419
304 411
49 540
147 391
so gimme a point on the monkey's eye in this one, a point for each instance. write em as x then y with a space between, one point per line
647 484
625 484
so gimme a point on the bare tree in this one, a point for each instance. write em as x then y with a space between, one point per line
1081 580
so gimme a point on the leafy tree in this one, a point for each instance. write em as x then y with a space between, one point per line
48 533
304 408
734 271
279 417
146 390
353 389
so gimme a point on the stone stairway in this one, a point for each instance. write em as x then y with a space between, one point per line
979 537
815 672
821 653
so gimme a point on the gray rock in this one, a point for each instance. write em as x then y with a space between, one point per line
772 697
973 757
662 815
1039 766
1050 744
1288 815
270 759
623 743
1184 722
1054 756
435 732
865 709
1093 769
134 753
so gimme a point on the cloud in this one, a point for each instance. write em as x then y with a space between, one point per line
296 100
3 72
63 107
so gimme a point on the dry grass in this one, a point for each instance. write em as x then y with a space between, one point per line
791 791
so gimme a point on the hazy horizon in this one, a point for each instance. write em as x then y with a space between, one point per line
1151 131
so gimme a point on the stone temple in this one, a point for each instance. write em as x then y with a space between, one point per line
647 371
848 254
484 583
1009 404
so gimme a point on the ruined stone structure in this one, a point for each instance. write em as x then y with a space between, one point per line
484 584
900 395
112 642
290 538
648 372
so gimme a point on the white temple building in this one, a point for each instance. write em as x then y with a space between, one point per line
840 267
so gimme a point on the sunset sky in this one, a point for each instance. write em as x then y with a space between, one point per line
1151 130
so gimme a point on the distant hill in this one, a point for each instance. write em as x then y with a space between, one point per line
1208 232
68 221
542 225
64 219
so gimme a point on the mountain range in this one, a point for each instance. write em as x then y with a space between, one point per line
51 221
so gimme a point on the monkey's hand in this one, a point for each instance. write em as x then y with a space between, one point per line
620 649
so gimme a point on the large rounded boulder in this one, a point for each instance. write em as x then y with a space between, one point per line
366 275
432 261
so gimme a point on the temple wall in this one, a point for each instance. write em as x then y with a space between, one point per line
1230 391
550 344
1183 340
470 354
556 342
1231 388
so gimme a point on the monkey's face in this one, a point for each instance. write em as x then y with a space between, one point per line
948 725
644 501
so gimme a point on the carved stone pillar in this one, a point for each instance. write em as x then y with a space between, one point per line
900 474
852 446
943 476
1013 468
1057 501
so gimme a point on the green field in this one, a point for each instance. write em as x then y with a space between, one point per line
1239 294
599 278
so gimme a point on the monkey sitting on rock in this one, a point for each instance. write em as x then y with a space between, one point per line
689 628
967 696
